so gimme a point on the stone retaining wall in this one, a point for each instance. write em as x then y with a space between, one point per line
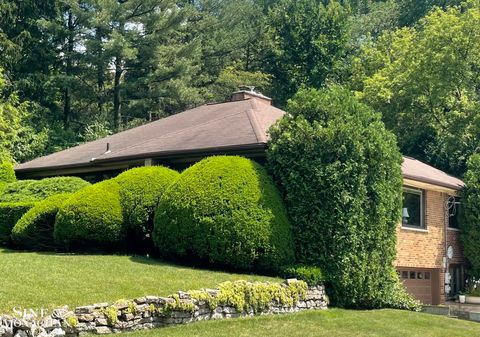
154 312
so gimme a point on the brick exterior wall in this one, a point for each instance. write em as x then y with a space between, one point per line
426 248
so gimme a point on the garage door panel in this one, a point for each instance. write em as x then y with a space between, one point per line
421 283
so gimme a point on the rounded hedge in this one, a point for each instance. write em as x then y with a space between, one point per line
37 190
91 218
10 213
140 192
227 211
34 230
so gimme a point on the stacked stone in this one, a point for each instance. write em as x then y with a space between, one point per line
147 313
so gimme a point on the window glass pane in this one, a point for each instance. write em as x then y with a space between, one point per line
453 213
420 275
412 275
404 274
412 209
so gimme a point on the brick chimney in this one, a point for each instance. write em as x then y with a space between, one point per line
247 92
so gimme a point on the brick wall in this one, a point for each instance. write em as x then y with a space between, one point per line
426 248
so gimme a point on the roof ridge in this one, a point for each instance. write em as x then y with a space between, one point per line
167 134
254 122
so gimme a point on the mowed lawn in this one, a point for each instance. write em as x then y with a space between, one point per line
331 323
36 280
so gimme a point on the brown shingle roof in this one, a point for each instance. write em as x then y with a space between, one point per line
416 170
231 124
238 124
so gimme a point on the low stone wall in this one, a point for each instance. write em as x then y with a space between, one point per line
229 301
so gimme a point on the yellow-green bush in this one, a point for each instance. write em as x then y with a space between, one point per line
226 211
140 192
34 230
91 218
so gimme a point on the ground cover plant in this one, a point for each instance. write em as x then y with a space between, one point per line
332 322
48 280
225 211
339 169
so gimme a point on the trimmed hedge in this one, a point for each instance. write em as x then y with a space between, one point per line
470 217
10 213
91 218
140 192
35 228
37 190
340 172
225 210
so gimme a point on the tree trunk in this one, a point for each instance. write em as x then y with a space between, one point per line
100 70
68 72
116 93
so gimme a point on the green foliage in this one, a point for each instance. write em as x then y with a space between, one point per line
259 295
37 190
111 313
470 223
423 80
34 230
72 321
256 296
91 218
310 274
227 211
7 174
339 169
307 44
140 192
10 213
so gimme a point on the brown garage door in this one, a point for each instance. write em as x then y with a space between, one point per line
423 284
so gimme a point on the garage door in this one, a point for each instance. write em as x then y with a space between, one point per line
423 284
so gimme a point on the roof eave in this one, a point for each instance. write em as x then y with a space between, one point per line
156 154
433 182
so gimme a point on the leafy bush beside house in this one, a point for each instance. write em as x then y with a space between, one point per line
225 210
140 192
470 224
7 174
91 218
34 230
339 169
10 213
37 190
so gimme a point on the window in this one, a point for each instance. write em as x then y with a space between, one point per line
412 213
453 212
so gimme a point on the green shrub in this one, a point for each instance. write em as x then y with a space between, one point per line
227 211
310 274
340 171
140 192
91 218
10 213
7 174
470 215
37 190
35 228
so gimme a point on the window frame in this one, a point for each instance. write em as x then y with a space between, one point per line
421 193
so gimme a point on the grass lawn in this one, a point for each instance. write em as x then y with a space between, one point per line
333 322
35 280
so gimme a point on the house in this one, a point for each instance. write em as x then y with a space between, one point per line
429 255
